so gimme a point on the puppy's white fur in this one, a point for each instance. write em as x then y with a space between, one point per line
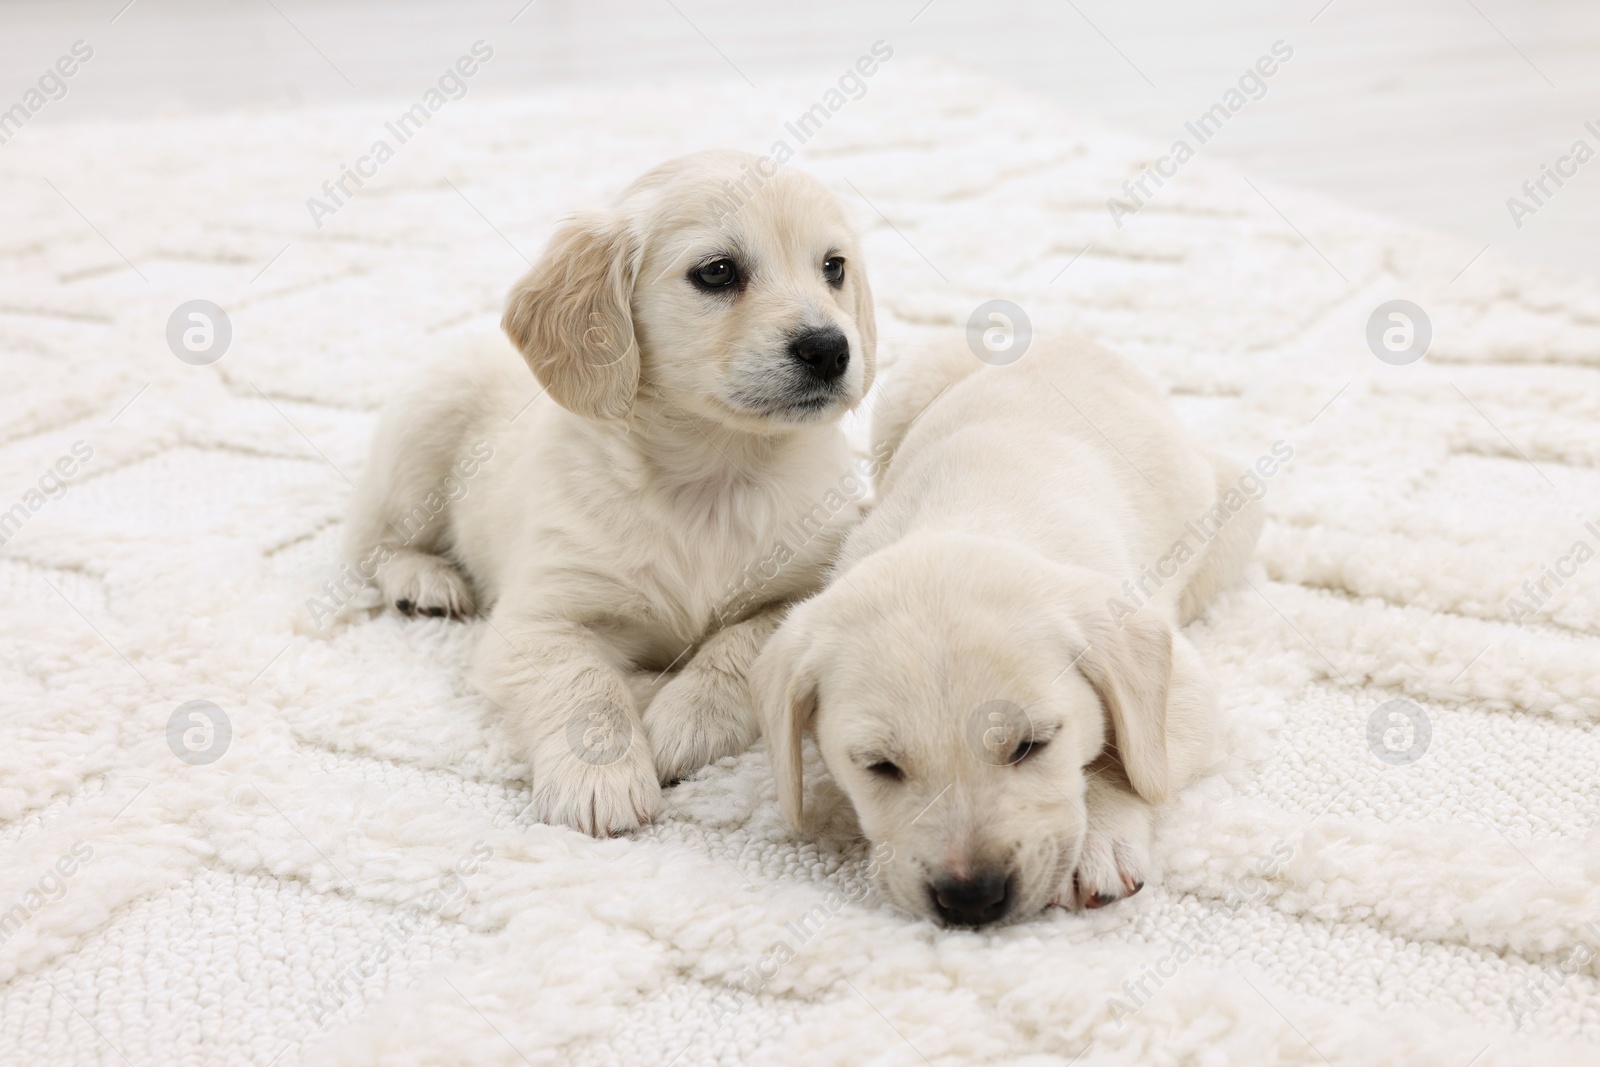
608 527
970 615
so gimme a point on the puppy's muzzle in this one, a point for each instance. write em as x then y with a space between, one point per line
977 900
824 352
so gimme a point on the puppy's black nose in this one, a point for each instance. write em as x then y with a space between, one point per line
825 352
983 898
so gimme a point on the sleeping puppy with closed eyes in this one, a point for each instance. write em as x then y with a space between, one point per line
694 345
1002 712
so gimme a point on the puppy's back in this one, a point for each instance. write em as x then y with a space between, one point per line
1070 449
915 382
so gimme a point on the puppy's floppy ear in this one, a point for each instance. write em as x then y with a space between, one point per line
866 326
1130 666
570 317
783 685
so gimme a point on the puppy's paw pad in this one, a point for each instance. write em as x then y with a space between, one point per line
694 721
1108 870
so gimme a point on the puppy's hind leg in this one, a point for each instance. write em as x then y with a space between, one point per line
421 583
1225 557
399 524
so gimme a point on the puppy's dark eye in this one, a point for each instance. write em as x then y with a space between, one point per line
1027 749
718 274
886 770
833 271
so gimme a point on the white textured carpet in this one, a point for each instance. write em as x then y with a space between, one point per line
283 904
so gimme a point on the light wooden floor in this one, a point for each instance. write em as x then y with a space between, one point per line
1430 111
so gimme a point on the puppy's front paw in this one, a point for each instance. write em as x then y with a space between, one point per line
697 718
599 778
1108 870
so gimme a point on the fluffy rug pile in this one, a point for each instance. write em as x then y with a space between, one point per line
233 835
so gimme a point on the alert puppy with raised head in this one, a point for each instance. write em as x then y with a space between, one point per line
980 687
694 365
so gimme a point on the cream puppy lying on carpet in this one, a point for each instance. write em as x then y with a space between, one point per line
697 344
1002 711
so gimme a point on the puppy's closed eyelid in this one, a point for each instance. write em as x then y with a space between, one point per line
1029 748
887 771
879 766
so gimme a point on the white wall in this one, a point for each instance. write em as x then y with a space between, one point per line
1431 111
